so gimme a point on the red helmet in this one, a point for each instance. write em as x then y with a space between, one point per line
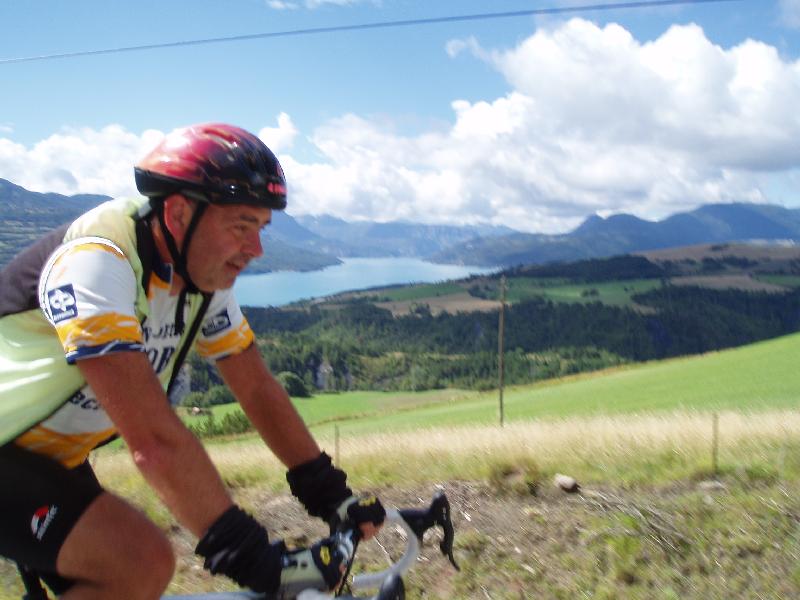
215 163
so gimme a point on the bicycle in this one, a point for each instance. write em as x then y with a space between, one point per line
415 522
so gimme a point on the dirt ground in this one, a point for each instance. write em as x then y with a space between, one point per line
600 543
690 540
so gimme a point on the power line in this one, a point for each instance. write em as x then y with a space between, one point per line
366 26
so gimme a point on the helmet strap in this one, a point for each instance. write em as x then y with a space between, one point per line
179 257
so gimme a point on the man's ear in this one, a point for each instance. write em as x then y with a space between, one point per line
177 215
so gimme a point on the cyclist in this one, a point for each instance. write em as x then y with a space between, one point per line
123 292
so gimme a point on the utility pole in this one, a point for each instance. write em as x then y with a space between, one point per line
500 346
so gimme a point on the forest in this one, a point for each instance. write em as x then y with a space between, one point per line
357 345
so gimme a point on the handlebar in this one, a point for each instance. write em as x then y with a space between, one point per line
415 522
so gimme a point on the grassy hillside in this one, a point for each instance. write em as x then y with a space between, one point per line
758 377
646 524
615 293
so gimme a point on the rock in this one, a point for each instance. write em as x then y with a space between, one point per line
566 483
711 486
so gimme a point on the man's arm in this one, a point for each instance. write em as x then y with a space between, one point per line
169 456
268 407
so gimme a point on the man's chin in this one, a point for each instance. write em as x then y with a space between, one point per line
223 283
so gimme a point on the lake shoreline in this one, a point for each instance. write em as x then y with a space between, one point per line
279 288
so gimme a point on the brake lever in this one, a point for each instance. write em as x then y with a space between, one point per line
438 513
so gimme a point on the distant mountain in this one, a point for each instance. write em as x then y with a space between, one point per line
395 238
26 215
298 244
313 242
620 234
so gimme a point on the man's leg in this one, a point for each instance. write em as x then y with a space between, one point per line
114 551
83 541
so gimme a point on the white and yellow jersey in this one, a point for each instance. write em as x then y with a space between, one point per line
87 291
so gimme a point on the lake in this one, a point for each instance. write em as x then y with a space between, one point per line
285 287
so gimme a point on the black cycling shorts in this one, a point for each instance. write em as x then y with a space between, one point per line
40 502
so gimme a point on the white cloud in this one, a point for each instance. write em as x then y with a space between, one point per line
78 161
595 121
280 5
279 138
456 47
790 13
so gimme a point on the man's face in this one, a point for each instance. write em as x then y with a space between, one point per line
226 239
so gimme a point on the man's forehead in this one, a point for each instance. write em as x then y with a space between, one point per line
247 214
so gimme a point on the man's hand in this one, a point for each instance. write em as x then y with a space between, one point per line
237 545
322 489
365 511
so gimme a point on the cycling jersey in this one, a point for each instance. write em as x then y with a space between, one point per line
103 290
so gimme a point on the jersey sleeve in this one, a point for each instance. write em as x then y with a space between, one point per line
225 330
87 291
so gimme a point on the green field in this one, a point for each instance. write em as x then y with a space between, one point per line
757 377
789 281
615 293
761 376
420 292
356 406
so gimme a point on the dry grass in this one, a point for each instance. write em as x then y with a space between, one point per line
678 444
755 252
452 303
726 282
597 545
591 447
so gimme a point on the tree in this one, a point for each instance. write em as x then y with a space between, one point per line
293 385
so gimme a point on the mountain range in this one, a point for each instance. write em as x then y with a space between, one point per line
313 242
619 234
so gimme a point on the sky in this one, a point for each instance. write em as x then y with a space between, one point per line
531 122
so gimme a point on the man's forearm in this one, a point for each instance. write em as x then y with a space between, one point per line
182 474
268 407
279 424
171 459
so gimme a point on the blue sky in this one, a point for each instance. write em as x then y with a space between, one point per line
530 122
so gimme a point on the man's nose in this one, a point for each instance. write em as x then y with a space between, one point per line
253 246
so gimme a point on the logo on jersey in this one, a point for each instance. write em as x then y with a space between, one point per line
217 323
62 303
41 520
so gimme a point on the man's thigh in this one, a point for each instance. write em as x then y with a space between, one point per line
40 503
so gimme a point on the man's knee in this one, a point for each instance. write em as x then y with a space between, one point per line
150 556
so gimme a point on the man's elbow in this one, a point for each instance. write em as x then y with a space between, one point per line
152 454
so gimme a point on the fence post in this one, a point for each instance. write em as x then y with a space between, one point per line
501 369
715 446
336 446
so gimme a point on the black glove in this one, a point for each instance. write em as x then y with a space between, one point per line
237 545
323 490
319 486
